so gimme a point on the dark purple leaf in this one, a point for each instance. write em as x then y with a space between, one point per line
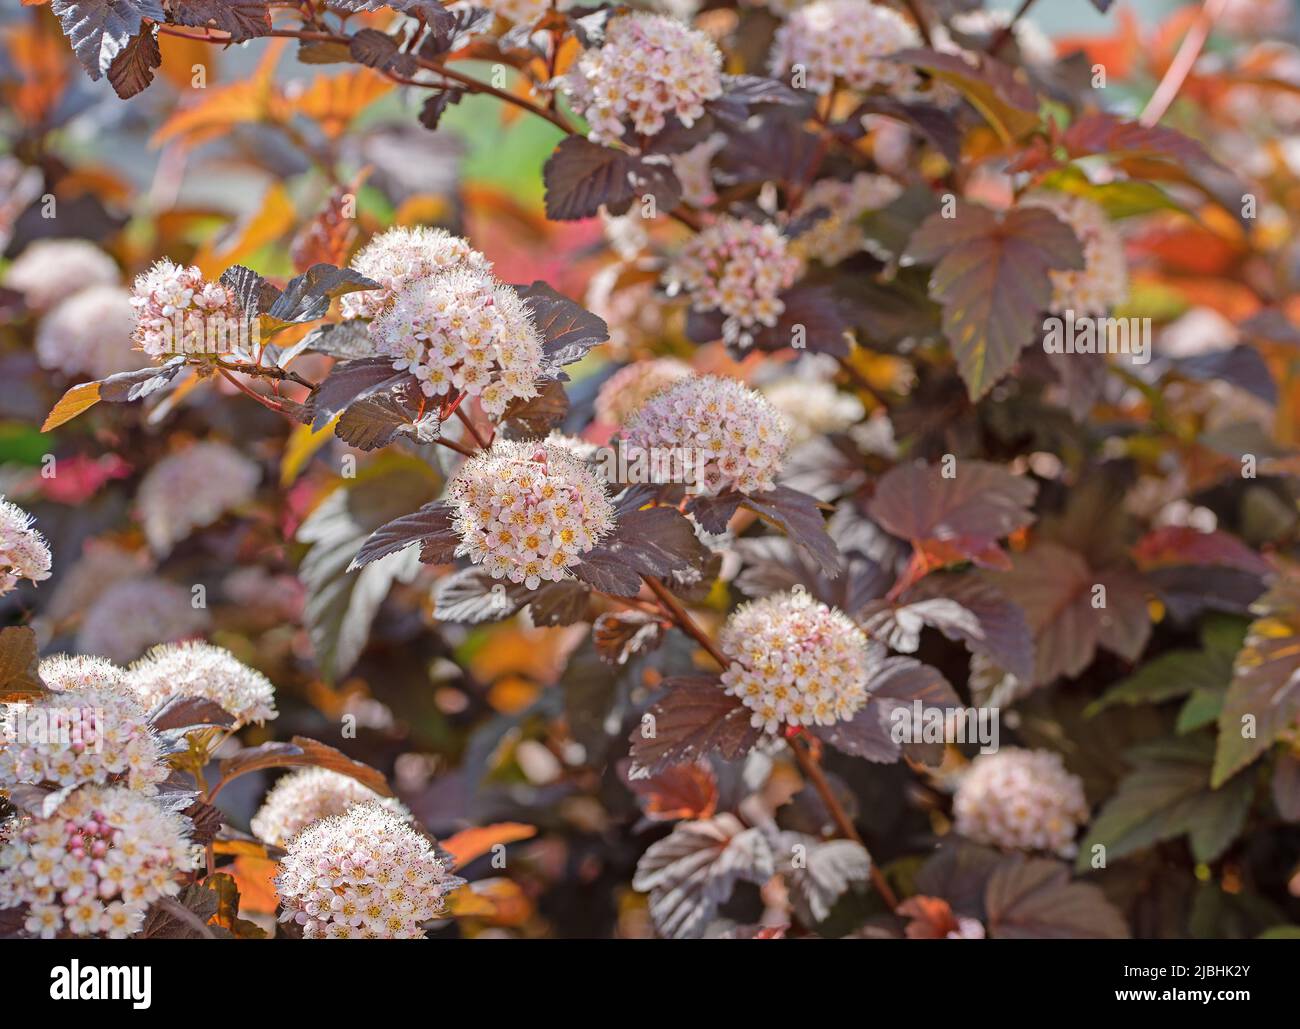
430 527
695 719
799 516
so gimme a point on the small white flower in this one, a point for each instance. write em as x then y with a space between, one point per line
89 334
178 311
191 489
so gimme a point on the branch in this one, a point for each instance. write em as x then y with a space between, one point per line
1182 63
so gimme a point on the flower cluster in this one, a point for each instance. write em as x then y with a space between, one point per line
528 511
95 865
179 311
649 66
193 488
523 12
738 268
838 235
362 874
462 330
623 393
736 439
849 41
1021 800
87 735
309 795
812 407
795 661
1103 281
89 334
49 271
400 256
133 614
65 673
24 553
202 670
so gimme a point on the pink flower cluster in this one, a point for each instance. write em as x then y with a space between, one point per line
528 511
731 435
365 874
649 66
308 795
24 553
89 334
179 311
738 268
95 865
463 331
845 41
400 256
1021 800
795 661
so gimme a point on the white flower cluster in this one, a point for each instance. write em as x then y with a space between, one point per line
176 308
528 511
622 394
738 268
24 553
795 661
89 334
134 614
736 438
95 865
69 672
49 271
364 874
838 235
649 66
1021 800
812 407
309 795
463 330
846 41
201 670
1103 281
193 488
401 256
87 735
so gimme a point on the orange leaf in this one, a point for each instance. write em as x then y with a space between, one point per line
76 401
334 100
500 901
256 880
273 220
468 844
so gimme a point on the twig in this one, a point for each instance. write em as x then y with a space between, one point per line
810 766
1181 66
262 371
922 26
468 422
265 401
682 617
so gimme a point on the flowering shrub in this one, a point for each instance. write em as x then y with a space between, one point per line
755 469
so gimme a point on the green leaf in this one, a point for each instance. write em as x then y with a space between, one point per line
1173 674
1167 795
